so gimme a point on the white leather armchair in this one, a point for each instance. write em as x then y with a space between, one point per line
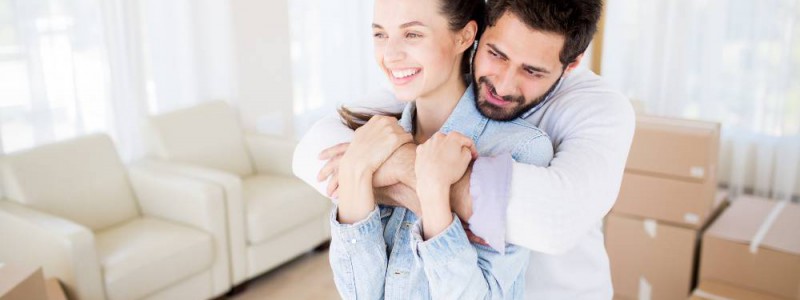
108 232
272 216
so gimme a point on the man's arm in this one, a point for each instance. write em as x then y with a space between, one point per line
330 131
550 209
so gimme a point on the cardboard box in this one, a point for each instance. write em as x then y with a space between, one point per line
21 283
712 290
54 290
679 202
675 148
652 259
649 260
732 253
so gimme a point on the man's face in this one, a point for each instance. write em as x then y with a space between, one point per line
516 67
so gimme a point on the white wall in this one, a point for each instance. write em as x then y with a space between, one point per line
263 63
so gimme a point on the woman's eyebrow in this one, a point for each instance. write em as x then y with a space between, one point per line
409 24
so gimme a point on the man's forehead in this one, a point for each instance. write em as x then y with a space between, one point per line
524 44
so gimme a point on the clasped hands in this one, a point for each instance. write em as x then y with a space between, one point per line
432 177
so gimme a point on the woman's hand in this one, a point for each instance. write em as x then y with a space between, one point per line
443 159
441 162
372 144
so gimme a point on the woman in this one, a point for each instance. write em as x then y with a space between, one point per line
389 252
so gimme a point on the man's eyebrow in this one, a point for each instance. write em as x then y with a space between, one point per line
409 24
524 66
535 69
499 53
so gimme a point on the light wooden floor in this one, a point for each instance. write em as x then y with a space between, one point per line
307 277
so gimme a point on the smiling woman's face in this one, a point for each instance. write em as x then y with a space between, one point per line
415 47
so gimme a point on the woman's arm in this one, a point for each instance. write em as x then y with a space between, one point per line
457 269
358 251
358 257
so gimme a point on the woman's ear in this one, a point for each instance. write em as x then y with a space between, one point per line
466 37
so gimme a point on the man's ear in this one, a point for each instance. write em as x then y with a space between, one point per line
466 37
574 64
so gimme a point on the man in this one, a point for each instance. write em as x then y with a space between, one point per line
525 66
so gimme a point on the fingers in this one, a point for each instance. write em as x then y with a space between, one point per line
473 151
339 149
333 186
330 167
461 140
466 155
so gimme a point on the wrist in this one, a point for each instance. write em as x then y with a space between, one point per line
461 197
409 175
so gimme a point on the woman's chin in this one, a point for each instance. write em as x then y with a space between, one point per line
405 95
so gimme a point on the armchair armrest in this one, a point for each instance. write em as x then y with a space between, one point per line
63 248
271 154
193 202
231 186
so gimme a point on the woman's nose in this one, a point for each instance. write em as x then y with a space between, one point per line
393 51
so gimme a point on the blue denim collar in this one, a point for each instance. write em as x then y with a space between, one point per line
465 117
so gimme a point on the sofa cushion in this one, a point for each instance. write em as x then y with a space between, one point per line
147 254
81 179
208 135
276 204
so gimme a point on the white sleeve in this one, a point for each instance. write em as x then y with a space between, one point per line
552 208
330 131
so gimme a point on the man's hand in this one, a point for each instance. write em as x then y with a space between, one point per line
331 168
399 195
399 168
460 198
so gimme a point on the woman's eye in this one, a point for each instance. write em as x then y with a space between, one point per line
412 35
379 35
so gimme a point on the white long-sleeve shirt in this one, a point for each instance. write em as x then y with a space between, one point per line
555 211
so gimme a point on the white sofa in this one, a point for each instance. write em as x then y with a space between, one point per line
108 232
272 216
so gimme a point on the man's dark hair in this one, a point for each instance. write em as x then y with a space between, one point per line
576 20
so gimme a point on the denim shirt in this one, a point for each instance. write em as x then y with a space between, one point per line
384 256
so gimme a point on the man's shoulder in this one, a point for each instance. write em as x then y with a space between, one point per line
586 85
584 92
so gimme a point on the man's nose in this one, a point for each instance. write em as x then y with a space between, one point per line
507 83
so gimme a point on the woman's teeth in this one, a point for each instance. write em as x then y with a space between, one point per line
404 73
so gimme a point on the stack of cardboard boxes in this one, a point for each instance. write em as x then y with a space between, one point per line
668 196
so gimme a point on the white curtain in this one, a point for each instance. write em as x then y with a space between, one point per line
71 67
332 57
732 61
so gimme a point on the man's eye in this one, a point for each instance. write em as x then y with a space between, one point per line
492 53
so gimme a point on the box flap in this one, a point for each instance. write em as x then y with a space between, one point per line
784 235
674 123
742 220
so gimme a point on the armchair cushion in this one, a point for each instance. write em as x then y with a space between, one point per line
276 204
146 254
208 135
82 180
271 154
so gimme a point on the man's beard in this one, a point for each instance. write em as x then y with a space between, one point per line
494 112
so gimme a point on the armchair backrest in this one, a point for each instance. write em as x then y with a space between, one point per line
81 179
208 135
